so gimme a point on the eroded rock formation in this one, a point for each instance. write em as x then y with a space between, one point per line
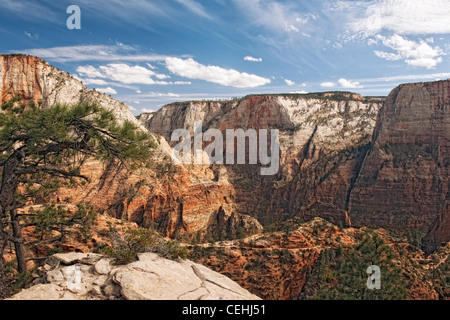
320 140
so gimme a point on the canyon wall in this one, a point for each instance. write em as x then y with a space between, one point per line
344 157
314 128
404 180
178 200
350 159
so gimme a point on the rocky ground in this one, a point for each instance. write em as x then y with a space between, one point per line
89 276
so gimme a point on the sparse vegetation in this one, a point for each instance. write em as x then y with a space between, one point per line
42 149
126 245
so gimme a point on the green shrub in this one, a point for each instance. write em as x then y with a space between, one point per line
125 246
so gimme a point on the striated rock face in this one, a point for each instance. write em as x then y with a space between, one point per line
322 142
341 159
180 202
342 118
145 117
439 231
81 276
35 80
404 180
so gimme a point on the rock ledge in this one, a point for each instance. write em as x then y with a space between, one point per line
89 276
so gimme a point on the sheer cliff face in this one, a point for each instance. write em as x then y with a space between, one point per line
439 231
320 137
340 158
403 181
35 80
343 119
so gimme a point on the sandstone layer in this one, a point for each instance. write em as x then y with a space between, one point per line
35 80
322 141
404 180
349 159
80 276
180 202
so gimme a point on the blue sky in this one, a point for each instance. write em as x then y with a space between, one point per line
150 53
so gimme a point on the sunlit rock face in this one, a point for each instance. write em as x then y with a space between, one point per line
403 181
323 138
35 80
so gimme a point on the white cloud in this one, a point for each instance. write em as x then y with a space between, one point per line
183 82
31 36
404 17
146 110
138 91
276 16
189 68
299 92
194 7
118 52
410 77
98 82
328 84
123 73
162 76
290 27
348 84
249 58
107 90
393 23
289 82
128 74
344 83
89 71
417 54
159 94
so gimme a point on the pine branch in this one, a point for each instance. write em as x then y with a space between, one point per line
52 170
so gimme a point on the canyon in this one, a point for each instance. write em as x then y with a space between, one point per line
353 160
348 164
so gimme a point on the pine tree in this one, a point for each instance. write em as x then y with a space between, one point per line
41 147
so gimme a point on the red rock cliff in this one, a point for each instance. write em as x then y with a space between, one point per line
35 80
404 180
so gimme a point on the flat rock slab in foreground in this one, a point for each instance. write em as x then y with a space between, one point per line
79 276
